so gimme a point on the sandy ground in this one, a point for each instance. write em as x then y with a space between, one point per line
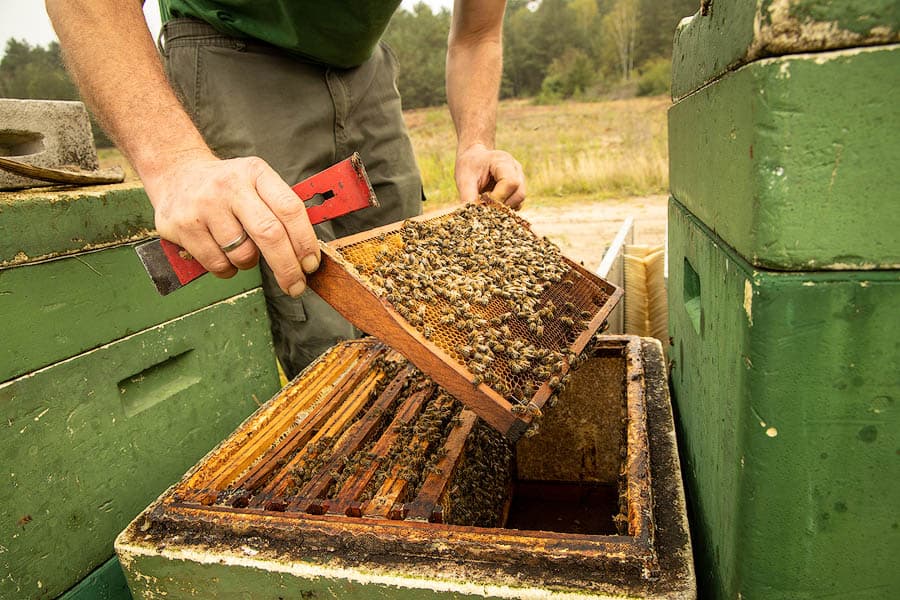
584 230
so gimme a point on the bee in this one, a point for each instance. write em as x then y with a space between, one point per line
518 410
518 366
427 332
554 383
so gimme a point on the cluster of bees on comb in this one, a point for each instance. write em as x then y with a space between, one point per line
473 283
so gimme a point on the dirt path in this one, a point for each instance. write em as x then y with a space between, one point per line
584 229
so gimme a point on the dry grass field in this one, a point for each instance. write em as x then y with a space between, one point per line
588 167
598 149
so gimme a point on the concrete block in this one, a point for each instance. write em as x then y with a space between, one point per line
44 133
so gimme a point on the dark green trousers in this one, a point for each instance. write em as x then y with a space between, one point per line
251 99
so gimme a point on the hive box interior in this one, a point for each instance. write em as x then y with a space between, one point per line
573 507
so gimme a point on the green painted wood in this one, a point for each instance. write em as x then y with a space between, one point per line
735 32
47 222
175 579
105 583
53 310
787 387
790 160
87 443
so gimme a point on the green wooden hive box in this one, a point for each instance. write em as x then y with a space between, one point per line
787 387
783 293
792 160
109 391
725 34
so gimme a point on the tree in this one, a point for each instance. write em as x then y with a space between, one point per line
620 26
523 65
35 72
567 76
419 38
656 27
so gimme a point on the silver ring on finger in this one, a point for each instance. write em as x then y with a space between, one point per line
233 244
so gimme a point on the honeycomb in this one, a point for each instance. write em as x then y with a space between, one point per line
489 293
361 433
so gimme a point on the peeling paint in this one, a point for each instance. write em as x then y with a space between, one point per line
771 432
809 284
748 301
784 70
310 571
781 32
841 266
820 58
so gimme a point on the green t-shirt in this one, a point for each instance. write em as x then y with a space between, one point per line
336 33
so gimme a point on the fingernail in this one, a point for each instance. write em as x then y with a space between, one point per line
309 263
297 289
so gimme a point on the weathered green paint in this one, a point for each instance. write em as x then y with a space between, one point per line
87 443
163 577
48 222
105 583
788 393
53 310
790 159
735 32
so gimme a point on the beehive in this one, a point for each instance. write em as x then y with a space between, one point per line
292 502
727 34
785 384
783 283
787 160
104 405
472 297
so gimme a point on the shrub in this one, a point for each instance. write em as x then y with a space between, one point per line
568 75
655 77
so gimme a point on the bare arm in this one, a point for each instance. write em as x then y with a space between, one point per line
200 202
474 68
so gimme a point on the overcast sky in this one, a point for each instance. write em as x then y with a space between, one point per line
27 19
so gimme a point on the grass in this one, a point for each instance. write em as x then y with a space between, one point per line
600 149
570 151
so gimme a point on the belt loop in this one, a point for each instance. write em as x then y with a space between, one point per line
161 41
